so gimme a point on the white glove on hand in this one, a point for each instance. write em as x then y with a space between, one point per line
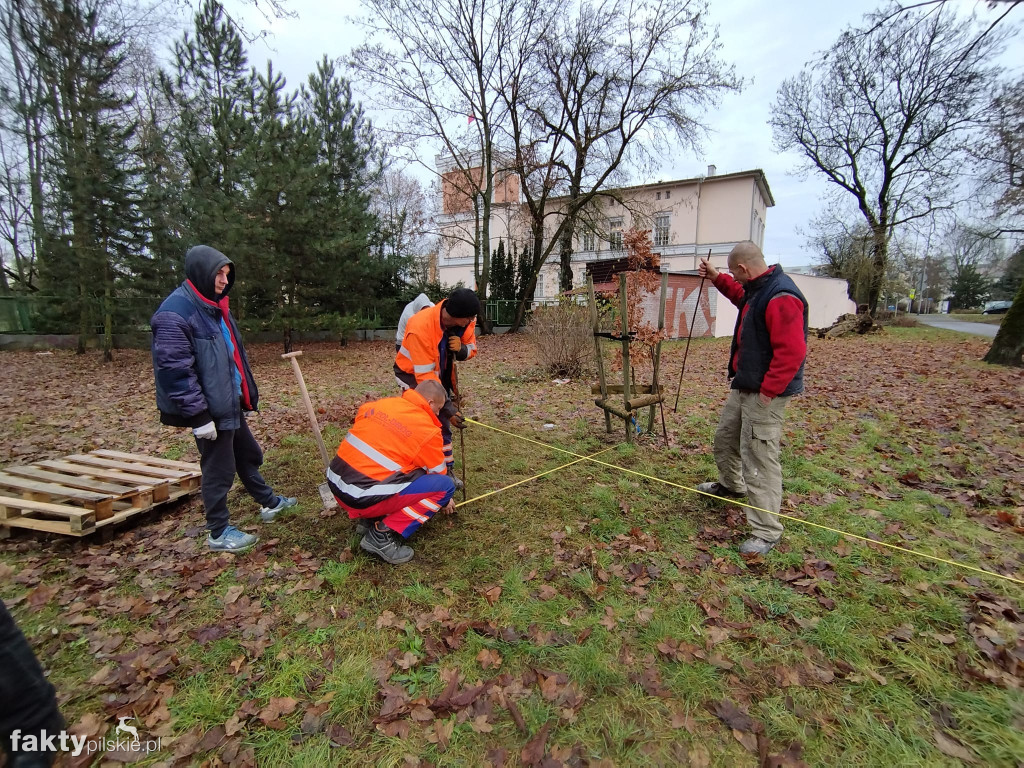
206 432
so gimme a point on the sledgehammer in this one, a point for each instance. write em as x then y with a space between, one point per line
325 492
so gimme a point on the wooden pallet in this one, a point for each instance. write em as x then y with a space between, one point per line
78 494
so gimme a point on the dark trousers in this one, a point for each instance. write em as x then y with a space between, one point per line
234 451
27 700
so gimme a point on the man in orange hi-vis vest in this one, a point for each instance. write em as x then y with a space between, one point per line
389 471
434 339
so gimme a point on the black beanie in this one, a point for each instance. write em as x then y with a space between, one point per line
462 304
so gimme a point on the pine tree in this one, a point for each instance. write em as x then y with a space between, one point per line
159 268
210 87
969 288
502 275
351 271
281 166
95 230
524 273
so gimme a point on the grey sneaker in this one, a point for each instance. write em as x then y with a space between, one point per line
757 546
231 540
717 489
386 544
459 485
267 514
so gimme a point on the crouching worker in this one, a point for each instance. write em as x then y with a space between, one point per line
390 472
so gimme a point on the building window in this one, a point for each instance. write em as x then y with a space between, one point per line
588 241
615 234
756 229
661 222
538 292
657 195
668 193
611 202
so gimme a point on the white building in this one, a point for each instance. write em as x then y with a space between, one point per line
688 219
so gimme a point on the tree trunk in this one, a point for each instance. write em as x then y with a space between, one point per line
485 237
108 322
1008 346
565 262
565 253
879 262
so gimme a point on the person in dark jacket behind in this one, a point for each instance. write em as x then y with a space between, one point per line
203 381
28 703
766 365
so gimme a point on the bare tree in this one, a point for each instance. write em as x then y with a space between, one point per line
884 114
26 144
843 251
405 213
608 84
1002 154
434 65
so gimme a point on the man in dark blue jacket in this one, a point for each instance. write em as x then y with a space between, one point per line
203 381
766 366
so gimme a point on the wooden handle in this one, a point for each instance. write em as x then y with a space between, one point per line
309 408
288 355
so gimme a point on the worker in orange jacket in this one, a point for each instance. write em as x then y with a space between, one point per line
434 339
390 471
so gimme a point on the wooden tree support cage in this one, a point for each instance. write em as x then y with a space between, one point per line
634 396
79 494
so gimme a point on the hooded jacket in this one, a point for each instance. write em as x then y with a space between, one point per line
193 364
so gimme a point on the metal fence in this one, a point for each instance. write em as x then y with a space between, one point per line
33 314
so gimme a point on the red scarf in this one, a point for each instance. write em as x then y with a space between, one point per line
222 305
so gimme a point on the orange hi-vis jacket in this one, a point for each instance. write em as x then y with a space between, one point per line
391 443
418 355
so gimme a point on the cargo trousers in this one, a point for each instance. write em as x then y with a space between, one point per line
747 455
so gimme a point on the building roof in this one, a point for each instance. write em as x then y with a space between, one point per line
756 173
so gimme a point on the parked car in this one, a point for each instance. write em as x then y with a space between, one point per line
996 307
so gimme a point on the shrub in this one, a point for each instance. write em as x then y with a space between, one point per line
563 336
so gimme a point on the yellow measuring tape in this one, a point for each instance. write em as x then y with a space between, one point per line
750 506
530 479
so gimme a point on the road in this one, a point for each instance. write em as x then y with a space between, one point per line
941 321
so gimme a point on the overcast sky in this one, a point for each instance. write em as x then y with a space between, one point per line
767 43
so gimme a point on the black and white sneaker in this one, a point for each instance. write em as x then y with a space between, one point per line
717 489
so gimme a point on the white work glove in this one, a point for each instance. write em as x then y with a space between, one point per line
206 432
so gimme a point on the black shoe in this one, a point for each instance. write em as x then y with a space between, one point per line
717 489
386 544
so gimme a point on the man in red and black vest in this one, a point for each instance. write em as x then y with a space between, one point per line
766 366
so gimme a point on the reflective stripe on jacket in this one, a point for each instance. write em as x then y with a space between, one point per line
418 356
391 443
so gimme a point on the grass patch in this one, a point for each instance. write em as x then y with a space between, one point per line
566 595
